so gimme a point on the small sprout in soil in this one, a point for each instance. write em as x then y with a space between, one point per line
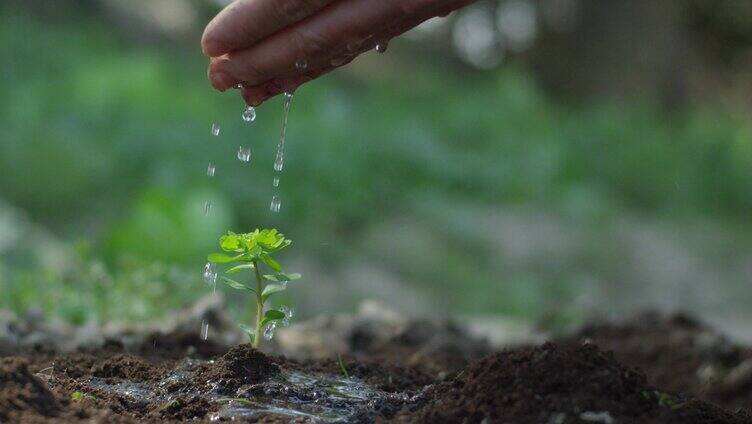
342 366
79 396
249 252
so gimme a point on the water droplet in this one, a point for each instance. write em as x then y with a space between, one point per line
269 330
204 330
275 182
244 154
215 129
239 86
249 114
210 274
301 65
289 314
279 161
276 204
211 169
207 207
382 46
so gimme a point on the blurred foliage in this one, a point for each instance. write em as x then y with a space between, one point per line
107 143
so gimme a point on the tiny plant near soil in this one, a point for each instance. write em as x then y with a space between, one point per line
253 253
78 396
342 367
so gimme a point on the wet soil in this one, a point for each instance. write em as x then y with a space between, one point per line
649 370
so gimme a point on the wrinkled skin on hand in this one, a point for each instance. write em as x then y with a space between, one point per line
272 46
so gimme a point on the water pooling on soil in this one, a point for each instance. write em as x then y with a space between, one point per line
321 398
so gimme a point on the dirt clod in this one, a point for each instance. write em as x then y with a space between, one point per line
549 383
126 367
21 391
241 365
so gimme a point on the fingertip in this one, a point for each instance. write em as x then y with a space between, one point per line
219 78
212 47
253 97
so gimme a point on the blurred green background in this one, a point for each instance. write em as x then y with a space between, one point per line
548 160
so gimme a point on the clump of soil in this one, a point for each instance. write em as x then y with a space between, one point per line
679 354
240 365
550 384
126 367
21 392
185 408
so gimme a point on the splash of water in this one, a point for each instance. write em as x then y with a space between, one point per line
269 330
276 204
289 314
279 160
215 129
244 154
204 330
210 274
249 114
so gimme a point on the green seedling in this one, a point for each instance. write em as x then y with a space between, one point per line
342 366
250 252
78 396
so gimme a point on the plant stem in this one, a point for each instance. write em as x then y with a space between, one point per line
259 307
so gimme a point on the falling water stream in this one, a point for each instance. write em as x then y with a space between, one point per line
279 158
244 155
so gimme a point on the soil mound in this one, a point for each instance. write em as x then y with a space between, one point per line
549 384
241 365
126 367
679 354
21 392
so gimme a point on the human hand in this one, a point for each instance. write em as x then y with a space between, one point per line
273 46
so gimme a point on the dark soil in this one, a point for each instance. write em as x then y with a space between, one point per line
549 384
679 354
21 392
650 377
241 365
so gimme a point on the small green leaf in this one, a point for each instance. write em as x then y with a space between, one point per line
271 262
236 285
230 242
270 289
249 331
342 366
281 244
281 277
78 396
221 258
239 268
272 315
